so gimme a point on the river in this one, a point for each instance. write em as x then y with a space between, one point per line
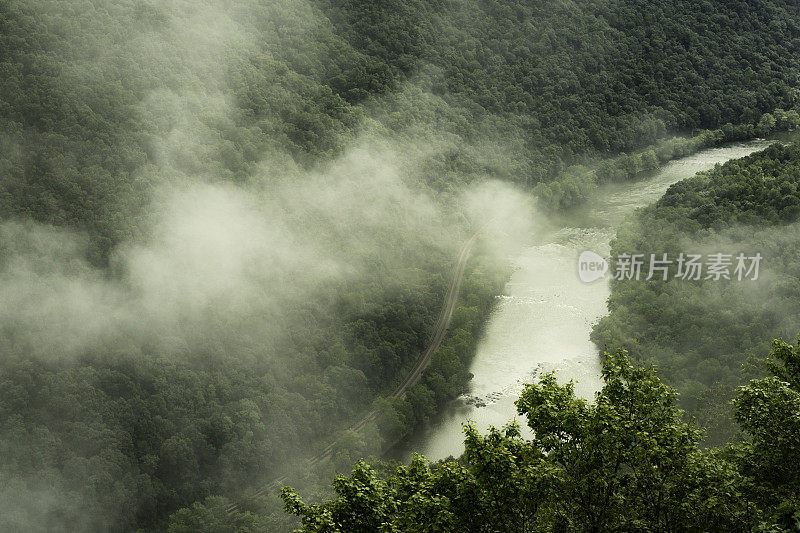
543 320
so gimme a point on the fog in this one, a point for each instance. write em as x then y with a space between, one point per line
221 236
228 229
208 248
767 294
222 253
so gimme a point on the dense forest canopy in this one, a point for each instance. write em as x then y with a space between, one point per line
626 462
226 227
101 100
701 333
632 460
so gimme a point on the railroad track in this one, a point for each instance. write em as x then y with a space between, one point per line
437 336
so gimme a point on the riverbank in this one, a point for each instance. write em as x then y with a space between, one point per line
543 320
577 184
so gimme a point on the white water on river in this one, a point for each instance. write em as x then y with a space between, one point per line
543 321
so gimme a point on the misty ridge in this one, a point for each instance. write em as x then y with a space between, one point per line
706 337
194 300
218 256
230 229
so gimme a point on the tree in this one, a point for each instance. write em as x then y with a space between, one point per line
649 160
766 124
768 410
212 516
627 462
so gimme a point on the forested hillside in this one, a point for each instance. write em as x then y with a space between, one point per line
626 462
703 334
226 227
517 90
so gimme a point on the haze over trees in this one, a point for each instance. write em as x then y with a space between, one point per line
628 462
226 227
702 333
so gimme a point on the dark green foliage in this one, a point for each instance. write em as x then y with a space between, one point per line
94 97
211 517
768 409
559 84
577 79
142 435
448 374
627 462
700 333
